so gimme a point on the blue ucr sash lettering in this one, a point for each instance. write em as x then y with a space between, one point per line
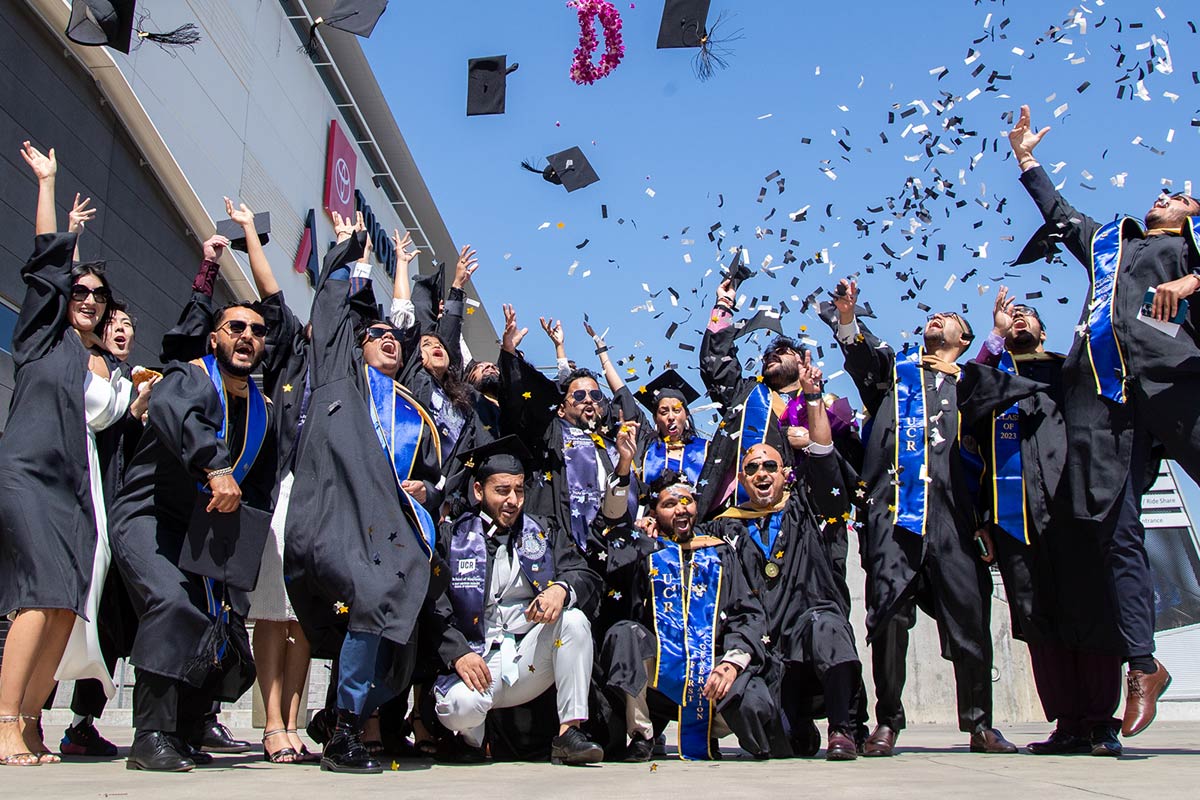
399 422
1008 476
685 621
911 444
656 461
1104 350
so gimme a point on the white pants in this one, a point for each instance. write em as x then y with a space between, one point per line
558 655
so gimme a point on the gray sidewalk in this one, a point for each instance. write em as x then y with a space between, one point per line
934 762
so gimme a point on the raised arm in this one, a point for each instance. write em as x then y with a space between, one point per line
333 339
556 334
79 216
720 368
260 268
868 361
449 325
615 382
402 314
527 397
1002 322
45 168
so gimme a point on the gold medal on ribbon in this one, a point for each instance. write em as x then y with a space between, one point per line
772 569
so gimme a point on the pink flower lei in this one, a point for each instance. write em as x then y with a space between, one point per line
582 69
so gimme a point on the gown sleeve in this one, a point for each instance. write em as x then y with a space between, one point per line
333 339
719 366
186 417
869 362
1077 229
283 329
526 417
43 317
189 338
745 621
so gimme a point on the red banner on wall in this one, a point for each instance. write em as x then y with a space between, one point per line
340 163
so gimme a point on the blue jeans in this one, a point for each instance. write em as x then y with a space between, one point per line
364 659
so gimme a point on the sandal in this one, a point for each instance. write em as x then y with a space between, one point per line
373 746
284 755
18 759
306 755
44 756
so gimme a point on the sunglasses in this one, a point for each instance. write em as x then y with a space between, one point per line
967 335
79 293
237 327
770 467
379 333
579 395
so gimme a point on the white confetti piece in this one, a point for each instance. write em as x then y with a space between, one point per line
950 282
571 269
766 116
543 226
649 191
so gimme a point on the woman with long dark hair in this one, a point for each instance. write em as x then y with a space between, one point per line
53 529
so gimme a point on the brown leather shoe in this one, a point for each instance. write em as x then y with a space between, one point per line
840 746
1141 698
990 740
882 742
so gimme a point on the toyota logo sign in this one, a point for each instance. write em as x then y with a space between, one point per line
340 165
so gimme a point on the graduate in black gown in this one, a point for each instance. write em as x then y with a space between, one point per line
209 448
515 620
1128 385
359 540
694 646
919 545
1053 571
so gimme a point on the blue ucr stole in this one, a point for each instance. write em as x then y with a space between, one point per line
756 417
252 442
399 423
1104 349
1008 476
657 460
685 622
912 444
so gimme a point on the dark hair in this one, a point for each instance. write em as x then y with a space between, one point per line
457 390
96 268
663 482
689 429
576 375
120 305
783 343
219 316
968 331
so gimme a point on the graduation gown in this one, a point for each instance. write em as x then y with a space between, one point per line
149 524
353 558
47 522
1165 370
894 556
1056 584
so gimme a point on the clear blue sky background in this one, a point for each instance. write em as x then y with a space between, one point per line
823 72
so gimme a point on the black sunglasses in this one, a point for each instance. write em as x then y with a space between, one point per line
237 327
379 333
79 293
752 469
579 395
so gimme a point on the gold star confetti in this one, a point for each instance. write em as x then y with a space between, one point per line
437 571
779 554
470 310
654 767
527 395
341 608
653 572
562 225
558 642
287 387
395 766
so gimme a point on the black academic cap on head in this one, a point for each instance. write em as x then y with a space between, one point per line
762 321
486 84
102 22
684 23
572 169
1042 246
237 236
504 456
668 383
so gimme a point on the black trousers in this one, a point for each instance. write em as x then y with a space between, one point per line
889 649
165 704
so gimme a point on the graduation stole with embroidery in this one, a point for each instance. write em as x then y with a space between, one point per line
1008 475
756 419
685 623
658 460
912 444
399 422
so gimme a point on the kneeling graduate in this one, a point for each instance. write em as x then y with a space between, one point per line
516 619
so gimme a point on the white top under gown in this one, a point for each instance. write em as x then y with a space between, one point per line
104 404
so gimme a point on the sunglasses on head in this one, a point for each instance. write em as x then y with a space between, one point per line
770 467
238 327
101 294
579 395
379 333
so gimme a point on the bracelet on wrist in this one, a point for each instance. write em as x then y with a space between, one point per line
601 349
218 473
814 397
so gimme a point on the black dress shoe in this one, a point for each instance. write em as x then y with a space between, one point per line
573 747
990 740
639 749
881 743
841 746
155 751
1060 744
344 752
189 750
1105 742
218 739
806 739
322 725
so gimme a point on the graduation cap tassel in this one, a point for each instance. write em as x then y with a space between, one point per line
713 49
309 48
548 173
184 36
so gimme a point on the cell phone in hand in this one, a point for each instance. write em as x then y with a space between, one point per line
1148 308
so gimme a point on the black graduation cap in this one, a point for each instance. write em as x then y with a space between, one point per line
684 23
570 169
738 271
353 16
225 547
100 23
669 383
763 320
1042 246
486 84
237 235
506 455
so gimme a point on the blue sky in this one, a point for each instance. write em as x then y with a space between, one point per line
805 82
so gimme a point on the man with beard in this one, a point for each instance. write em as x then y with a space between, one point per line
358 541
209 439
566 427
919 542
1130 380
515 620
1053 570
485 377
